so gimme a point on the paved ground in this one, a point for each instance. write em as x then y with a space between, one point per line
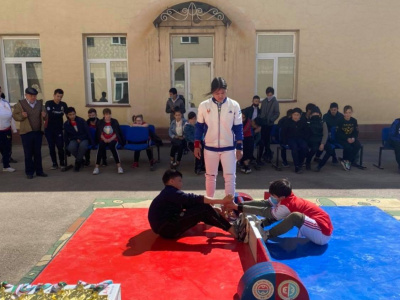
35 213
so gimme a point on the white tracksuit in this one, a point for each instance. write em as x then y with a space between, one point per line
221 125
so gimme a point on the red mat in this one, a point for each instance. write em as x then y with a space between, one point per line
118 244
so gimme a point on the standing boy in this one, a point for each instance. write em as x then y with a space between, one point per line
174 101
269 114
56 109
7 127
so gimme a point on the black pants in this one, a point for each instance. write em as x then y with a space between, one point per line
149 153
177 148
248 148
199 163
265 143
177 225
396 146
32 144
5 147
313 149
329 151
55 139
299 150
102 151
350 151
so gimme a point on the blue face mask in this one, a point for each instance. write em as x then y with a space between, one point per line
273 200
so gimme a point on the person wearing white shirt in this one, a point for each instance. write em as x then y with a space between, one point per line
7 126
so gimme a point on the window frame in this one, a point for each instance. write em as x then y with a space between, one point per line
190 39
107 62
275 57
17 60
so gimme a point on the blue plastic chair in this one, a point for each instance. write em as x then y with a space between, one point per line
93 134
385 146
137 138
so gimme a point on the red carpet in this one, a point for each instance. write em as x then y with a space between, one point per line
118 244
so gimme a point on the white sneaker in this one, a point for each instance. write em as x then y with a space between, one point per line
9 169
96 171
120 170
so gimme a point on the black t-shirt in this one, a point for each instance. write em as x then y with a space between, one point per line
55 113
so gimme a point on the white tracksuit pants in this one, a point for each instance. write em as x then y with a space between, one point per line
228 161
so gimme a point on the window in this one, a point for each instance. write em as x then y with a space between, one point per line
22 65
276 64
189 40
118 40
107 69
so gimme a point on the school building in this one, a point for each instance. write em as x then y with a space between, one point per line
127 54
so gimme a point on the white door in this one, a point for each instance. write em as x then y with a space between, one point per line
192 78
192 60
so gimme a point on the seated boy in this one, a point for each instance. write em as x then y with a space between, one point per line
318 139
177 140
294 133
77 137
92 122
173 211
312 222
108 133
347 136
394 140
188 133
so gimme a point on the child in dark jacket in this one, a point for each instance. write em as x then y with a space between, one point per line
77 137
347 136
318 139
188 133
248 145
294 134
281 124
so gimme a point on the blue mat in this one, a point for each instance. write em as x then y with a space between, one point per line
361 261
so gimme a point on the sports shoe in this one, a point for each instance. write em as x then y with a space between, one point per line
343 163
54 167
120 170
298 170
348 165
152 163
285 164
245 170
12 160
242 228
9 169
96 171
135 165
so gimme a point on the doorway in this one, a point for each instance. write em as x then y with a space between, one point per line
192 68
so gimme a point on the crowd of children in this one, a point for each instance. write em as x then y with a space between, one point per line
308 135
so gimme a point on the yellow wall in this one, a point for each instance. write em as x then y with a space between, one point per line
347 50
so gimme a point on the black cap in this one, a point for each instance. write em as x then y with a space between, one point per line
31 91
315 109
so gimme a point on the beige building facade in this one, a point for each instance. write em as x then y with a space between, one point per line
127 54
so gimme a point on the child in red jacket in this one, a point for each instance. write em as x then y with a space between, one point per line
312 222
